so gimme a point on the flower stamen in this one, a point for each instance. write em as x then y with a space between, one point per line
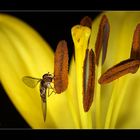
127 66
115 72
135 50
61 67
86 21
88 79
102 39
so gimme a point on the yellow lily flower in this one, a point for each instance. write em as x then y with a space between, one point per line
24 52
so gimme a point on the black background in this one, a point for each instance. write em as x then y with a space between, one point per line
52 26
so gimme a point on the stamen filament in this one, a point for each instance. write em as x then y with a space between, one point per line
119 101
98 93
111 105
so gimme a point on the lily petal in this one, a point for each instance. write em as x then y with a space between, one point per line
24 52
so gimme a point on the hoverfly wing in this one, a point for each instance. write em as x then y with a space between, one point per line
30 81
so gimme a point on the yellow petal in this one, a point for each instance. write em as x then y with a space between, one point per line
24 52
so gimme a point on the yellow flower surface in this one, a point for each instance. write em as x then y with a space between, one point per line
23 52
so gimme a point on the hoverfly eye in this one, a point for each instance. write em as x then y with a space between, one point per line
45 76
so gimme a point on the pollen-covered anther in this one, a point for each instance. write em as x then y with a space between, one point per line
86 21
135 50
121 69
61 67
102 39
88 79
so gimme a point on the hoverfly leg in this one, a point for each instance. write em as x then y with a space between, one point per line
51 93
53 90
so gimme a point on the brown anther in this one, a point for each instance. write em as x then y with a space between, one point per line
102 39
86 21
135 50
88 79
121 69
61 67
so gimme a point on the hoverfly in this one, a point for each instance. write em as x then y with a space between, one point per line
60 77
45 85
